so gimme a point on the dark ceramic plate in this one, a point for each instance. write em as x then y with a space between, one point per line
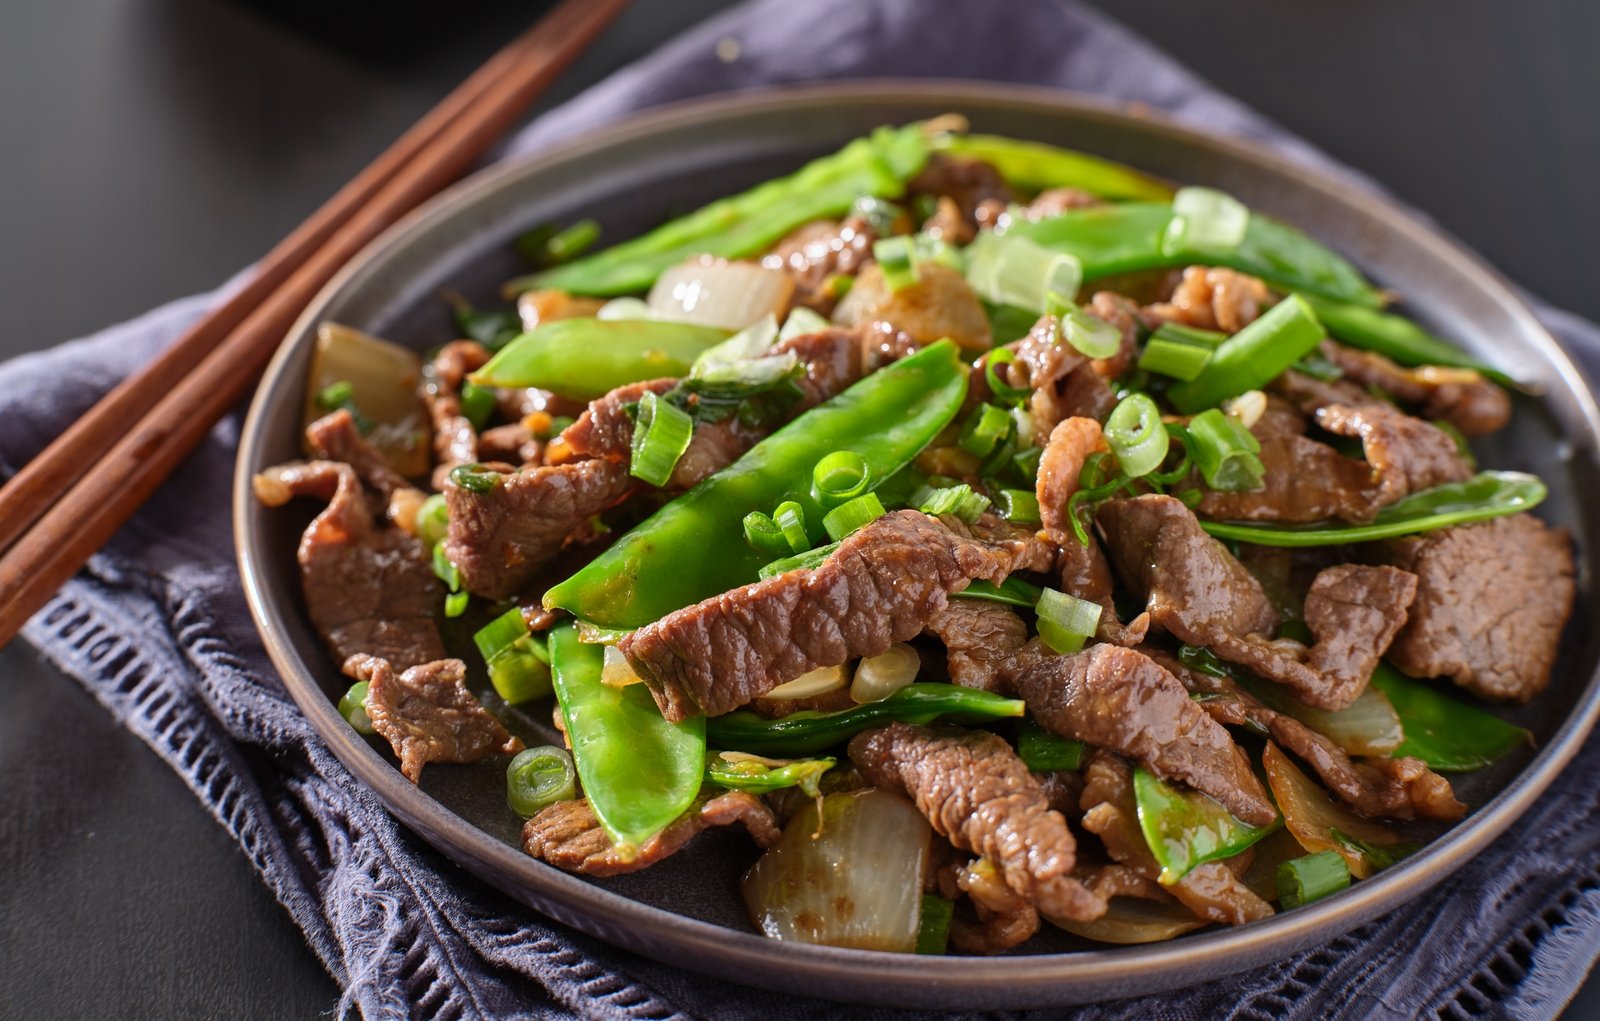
687 910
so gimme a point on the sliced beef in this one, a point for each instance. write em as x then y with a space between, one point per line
1194 589
1124 315
1116 698
1462 397
500 537
1005 918
368 588
975 791
979 636
568 836
334 437
1406 454
882 585
1213 891
1492 600
1379 788
1305 481
976 189
938 304
455 441
816 255
1213 298
510 444
1064 381
428 715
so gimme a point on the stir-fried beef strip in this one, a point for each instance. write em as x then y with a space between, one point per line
1117 698
1065 382
975 188
1055 201
1492 600
368 588
335 437
1305 481
1195 590
1379 788
428 715
1462 397
1406 454
975 791
455 441
818 254
1005 918
1213 298
882 585
1213 890
500 537
568 836
1082 566
513 443
979 636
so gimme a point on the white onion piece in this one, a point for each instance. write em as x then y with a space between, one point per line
802 321
1311 814
878 677
626 308
818 682
384 378
1131 920
618 672
852 878
536 308
1367 726
730 295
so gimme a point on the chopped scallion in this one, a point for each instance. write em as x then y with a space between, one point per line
807 561
353 707
1253 357
1092 336
572 242
538 778
477 404
847 517
1001 389
1313 877
933 925
1018 506
896 257
1066 622
1013 592
518 663
661 434
455 604
1027 463
1136 435
763 534
839 477
1225 452
790 518
800 322
985 429
1012 270
432 520
959 500
1175 359
1205 220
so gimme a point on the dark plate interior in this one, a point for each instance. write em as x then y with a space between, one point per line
687 910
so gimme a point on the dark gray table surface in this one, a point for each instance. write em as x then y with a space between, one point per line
152 147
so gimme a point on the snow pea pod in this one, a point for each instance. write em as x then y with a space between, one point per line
1393 336
1034 166
810 731
1486 495
1127 237
586 358
1445 732
744 224
693 548
1185 828
639 771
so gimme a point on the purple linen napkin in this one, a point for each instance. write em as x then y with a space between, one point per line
156 629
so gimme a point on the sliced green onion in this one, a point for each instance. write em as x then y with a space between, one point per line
1205 220
572 242
896 257
445 569
1091 335
474 479
1066 622
1135 433
477 404
1313 877
538 778
1044 752
762 533
336 395
960 500
807 561
985 429
1013 592
353 707
839 477
933 925
1018 506
455 604
1001 389
1226 452
1318 367
432 520
881 214
1253 357
847 517
790 518
661 434
1026 463
1012 270
1174 359
802 321
518 663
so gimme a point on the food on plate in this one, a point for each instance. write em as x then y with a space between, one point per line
998 536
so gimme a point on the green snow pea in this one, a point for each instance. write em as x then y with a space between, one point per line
1124 238
1393 336
1185 828
587 358
744 224
692 548
1034 166
1445 732
639 771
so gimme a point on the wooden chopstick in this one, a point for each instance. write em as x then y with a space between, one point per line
92 478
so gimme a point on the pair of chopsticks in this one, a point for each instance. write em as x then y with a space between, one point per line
68 502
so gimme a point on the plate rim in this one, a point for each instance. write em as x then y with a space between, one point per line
902 979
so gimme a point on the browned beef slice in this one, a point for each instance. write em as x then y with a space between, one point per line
1402 788
938 304
978 636
974 790
428 715
1055 201
1116 698
1492 599
455 441
1124 315
817 253
509 444
882 585
1005 918
1214 298
1305 481
1194 589
1212 891
568 836
500 538
368 588
973 185
334 437
1462 397
1406 454
1064 382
